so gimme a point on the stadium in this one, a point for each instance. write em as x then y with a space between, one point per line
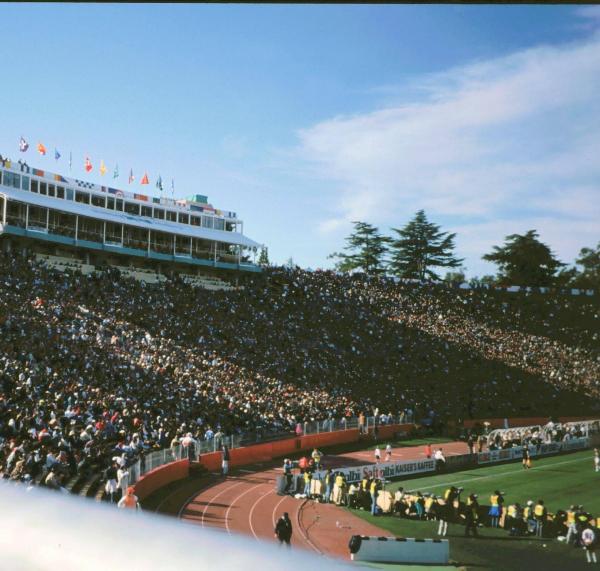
171 398
214 407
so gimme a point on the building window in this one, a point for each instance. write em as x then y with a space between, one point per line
113 233
82 197
171 216
37 217
25 183
136 238
184 218
69 194
60 192
132 208
207 222
219 224
15 213
195 220
62 223
90 229
147 211
119 205
34 186
11 179
159 213
99 201
43 188
51 190
110 203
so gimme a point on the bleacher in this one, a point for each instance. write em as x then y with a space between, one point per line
146 275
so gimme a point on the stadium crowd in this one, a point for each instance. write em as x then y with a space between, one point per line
96 370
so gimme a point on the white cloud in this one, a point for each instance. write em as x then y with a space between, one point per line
513 137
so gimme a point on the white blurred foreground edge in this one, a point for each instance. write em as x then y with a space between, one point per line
44 530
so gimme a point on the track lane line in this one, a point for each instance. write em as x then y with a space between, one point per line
252 512
234 502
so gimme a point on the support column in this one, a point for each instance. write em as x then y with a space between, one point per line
26 216
76 228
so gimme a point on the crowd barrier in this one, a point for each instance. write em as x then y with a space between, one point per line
256 453
277 449
160 477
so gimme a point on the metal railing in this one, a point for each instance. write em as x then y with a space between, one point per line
148 461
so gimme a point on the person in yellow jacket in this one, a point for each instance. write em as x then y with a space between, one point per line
571 523
540 513
307 481
374 489
496 501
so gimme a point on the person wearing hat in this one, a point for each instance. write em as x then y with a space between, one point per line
283 530
129 500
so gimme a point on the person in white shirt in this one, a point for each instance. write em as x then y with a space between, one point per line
377 455
596 460
388 453
440 461
123 479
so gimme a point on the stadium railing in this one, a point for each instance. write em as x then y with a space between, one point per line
150 460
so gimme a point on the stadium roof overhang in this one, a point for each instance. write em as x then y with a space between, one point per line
123 218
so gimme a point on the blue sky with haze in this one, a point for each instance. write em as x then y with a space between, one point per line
302 118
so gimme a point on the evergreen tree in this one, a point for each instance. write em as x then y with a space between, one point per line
589 260
367 248
421 246
263 258
525 261
455 278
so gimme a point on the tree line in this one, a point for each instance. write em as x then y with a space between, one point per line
420 247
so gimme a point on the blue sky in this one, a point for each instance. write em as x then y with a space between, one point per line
304 118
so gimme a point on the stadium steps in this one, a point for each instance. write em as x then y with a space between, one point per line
100 495
90 486
74 483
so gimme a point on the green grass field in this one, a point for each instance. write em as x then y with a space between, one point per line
560 481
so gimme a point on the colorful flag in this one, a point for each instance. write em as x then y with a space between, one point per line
131 177
144 179
102 168
116 173
70 160
159 183
41 149
56 154
88 164
23 145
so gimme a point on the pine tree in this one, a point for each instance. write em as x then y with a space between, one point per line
589 260
421 246
367 248
525 261
263 258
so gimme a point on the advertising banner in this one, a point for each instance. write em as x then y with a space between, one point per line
385 470
545 449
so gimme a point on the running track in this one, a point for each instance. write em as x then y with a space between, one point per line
246 503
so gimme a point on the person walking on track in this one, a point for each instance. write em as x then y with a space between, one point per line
283 530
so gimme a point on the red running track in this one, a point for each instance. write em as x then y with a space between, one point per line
247 503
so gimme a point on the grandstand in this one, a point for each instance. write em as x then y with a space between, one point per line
79 225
